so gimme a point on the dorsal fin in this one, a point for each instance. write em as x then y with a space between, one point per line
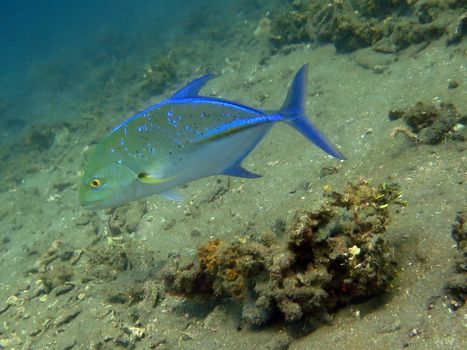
192 89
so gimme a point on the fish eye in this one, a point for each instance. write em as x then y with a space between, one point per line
95 183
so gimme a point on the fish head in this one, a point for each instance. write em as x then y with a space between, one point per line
106 183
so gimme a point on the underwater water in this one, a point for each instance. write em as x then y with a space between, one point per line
317 253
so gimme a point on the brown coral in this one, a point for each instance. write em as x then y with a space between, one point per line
329 258
456 285
388 26
431 123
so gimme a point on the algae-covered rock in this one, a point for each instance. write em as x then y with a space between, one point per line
388 26
456 286
431 123
158 74
125 219
39 138
329 258
457 30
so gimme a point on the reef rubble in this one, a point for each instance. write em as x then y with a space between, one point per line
328 258
456 286
386 26
431 123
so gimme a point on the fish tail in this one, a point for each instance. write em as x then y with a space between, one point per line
293 112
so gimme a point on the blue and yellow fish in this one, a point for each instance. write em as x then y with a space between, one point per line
184 138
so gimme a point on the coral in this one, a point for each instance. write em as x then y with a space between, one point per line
457 284
388 26
430 123
329 258
158 74
108 263
54 268
263 29
289 27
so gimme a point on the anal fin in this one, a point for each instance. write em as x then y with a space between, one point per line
239 171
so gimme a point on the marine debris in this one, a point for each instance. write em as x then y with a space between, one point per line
430 123
328 258
456 286
387 26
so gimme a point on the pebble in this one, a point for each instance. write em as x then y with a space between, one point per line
452 84
64 289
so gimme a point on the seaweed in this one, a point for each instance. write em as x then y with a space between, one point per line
328 258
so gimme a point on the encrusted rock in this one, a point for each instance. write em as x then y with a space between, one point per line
328 258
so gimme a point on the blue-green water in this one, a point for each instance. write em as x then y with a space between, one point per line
51 51
71 71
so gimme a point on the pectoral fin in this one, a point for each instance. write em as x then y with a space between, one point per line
147 178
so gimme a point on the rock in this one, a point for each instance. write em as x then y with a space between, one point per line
327 258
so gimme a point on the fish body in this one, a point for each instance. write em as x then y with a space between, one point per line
184 138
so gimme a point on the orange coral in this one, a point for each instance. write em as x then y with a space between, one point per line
231 274
328 258
237 289
208 255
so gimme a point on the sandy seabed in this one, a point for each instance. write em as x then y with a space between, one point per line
77 279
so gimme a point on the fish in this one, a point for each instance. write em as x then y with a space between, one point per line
184 138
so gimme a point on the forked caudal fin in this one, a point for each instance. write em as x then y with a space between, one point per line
293 112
